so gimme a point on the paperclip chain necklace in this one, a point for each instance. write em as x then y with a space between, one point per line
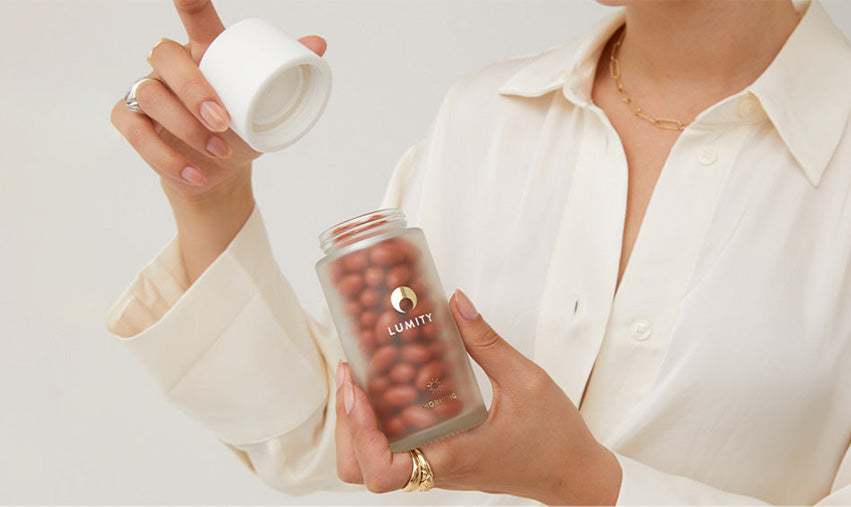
615 71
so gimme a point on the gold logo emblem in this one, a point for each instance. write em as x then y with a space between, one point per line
434 385
400 295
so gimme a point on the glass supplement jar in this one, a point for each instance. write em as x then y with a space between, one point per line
402 343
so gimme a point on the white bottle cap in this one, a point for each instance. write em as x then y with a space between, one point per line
273 87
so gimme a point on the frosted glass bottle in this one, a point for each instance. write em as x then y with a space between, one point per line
392 316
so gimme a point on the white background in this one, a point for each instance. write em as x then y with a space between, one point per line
80 213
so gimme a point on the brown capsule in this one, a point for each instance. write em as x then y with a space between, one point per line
428 374
403 334
448 408
356 261
400 395
402 373
383 359
383 410
369 297
374 276
394 426
418 416
383 338
350 284
386 323
398 275
386 253
368 319
377 386
416 353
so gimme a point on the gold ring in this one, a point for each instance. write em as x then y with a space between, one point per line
414 482
426 473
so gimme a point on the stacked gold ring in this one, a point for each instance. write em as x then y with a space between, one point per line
422 477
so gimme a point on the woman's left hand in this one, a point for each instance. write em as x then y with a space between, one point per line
533 444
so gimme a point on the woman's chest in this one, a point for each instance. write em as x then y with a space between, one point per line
731 270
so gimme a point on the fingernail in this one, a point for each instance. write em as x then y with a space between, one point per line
465 306
215 116
348 397
339 373
193 175
218 147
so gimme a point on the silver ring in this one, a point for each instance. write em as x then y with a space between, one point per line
130 98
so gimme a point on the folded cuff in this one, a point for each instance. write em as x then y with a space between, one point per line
234 351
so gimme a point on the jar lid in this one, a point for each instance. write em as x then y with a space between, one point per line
273 87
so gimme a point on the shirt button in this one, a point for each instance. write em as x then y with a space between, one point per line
707 156
641 329
747 106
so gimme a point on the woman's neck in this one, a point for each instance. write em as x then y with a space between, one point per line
718 46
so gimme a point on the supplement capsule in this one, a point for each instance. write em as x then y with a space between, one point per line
400 395
431 371
386 254
383 359
374 276
356 261
416 353
402 373
350 284
418 417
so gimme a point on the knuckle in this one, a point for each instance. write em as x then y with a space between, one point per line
172 164
194 87
379 484
347 474
488 338
538 380
149 95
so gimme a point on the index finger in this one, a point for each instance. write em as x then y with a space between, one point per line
201 22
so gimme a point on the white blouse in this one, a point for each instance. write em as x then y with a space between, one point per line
721 364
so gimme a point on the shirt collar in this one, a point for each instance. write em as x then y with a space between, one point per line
804 91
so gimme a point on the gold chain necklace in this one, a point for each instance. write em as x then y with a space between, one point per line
615 71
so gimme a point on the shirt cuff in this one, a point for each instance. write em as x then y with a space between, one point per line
234 351
643 485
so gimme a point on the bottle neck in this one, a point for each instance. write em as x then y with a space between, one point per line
361 227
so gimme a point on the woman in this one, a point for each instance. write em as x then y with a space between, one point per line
704 359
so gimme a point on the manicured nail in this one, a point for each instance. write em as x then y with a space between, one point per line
339 373
348 398
465 306
193 175
215 116
218 147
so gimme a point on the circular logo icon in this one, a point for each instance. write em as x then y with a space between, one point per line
400 295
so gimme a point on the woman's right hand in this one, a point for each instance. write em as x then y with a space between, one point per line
204 168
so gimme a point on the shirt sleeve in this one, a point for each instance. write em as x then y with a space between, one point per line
644 485
236 352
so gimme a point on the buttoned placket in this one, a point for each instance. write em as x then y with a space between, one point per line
623 336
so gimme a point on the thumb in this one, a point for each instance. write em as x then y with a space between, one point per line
500 361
